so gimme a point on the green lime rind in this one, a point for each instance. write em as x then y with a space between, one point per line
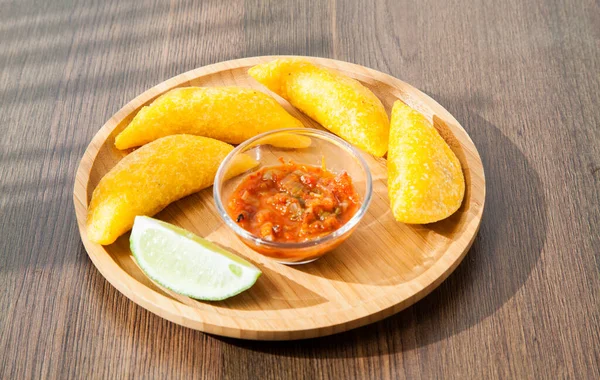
187 264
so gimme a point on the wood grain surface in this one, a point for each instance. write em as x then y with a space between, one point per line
520 75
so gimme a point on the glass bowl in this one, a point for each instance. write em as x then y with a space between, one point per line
303 146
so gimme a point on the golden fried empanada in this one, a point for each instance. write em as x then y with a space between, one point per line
425 179
230 114
148 179
339 103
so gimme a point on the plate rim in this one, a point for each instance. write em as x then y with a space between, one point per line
226 325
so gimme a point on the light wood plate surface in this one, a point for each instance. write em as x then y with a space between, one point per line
381 269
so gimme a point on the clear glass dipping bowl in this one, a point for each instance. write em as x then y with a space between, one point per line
304 146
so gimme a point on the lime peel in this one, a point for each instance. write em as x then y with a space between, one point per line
188 264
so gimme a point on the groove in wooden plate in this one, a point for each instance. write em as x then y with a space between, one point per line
381 269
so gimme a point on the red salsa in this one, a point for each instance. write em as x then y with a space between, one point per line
293 202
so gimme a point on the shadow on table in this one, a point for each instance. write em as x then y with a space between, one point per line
509 244
36 207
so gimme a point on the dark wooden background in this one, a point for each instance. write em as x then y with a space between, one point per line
522 76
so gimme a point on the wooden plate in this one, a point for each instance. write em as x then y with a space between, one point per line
381 269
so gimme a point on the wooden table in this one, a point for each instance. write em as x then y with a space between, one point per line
523 77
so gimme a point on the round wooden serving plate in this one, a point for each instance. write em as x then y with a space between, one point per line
381 269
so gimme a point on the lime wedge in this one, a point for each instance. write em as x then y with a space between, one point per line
187 264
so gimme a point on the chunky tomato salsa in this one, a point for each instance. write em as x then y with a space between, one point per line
293 202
